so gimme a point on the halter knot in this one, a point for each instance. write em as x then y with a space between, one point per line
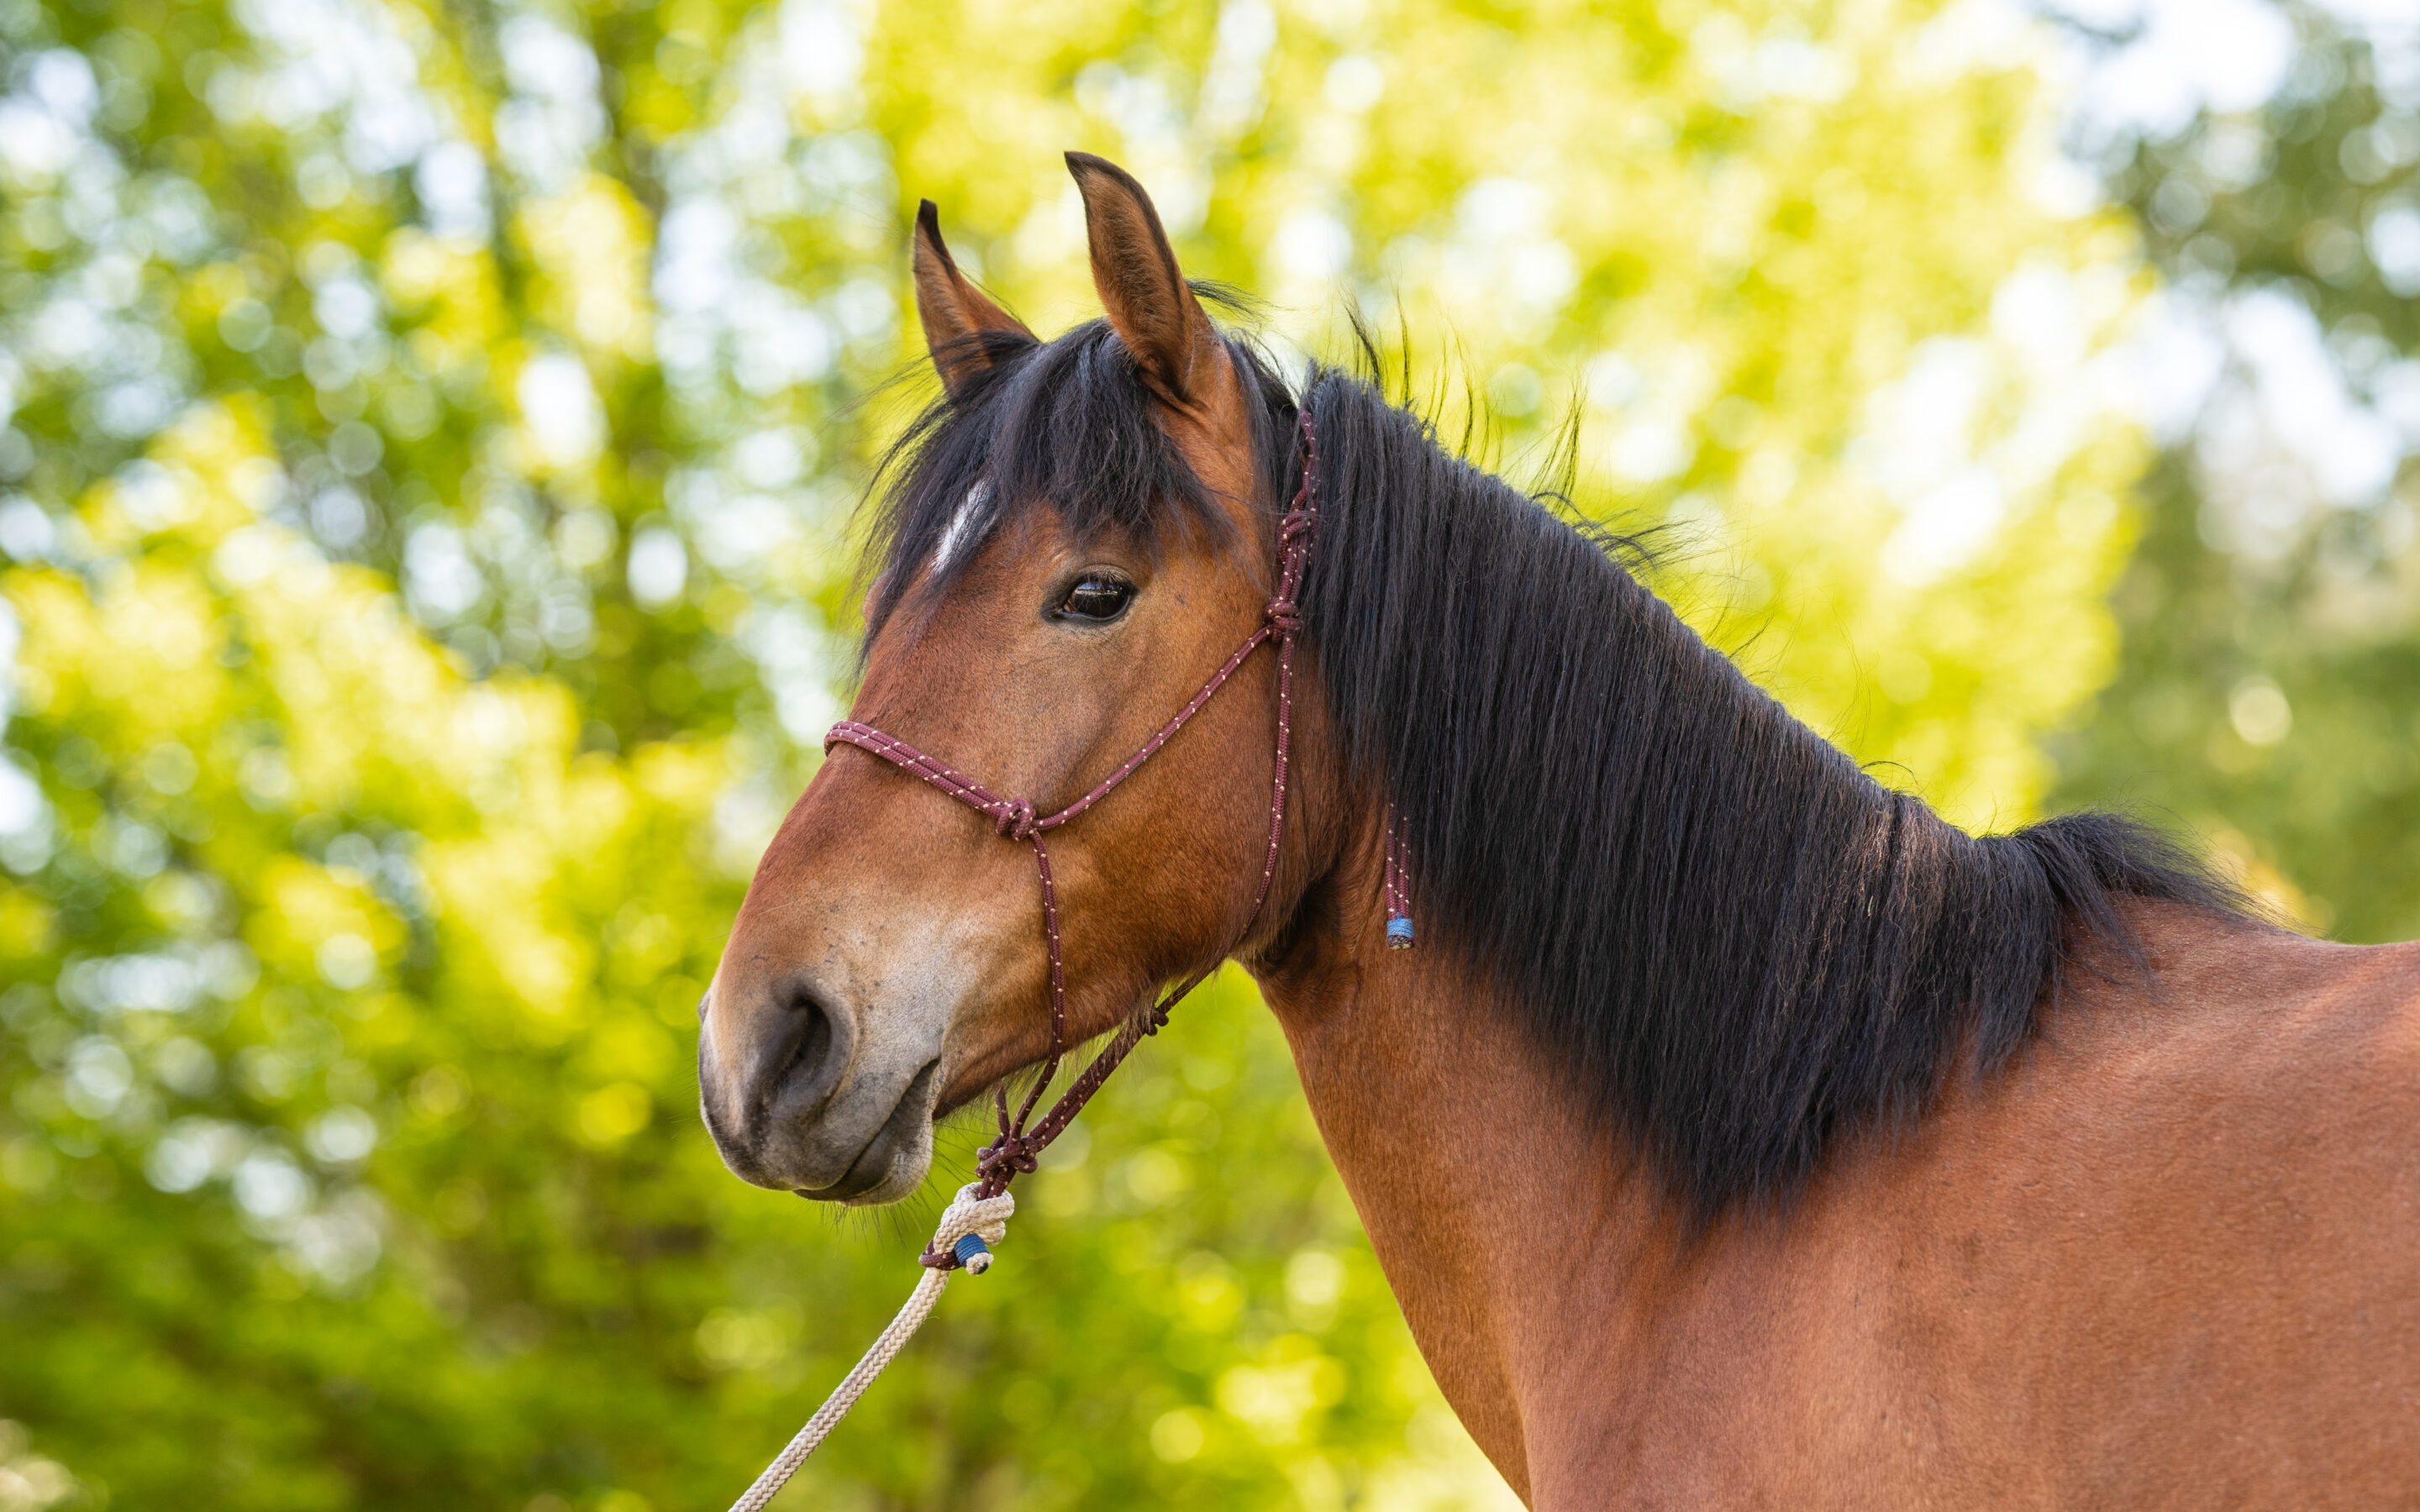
1015 819
1284 616
1009 1153
1297 524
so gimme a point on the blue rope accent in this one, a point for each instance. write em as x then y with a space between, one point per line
1399 933
967 1248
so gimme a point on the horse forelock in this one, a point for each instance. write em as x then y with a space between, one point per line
1066 425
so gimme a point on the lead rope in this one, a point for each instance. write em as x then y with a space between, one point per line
967 1218
978 1217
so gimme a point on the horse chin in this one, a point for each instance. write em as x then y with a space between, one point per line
903 1175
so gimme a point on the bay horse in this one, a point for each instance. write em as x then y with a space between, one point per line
1739 1133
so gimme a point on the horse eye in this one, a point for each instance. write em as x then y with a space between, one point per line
1097 596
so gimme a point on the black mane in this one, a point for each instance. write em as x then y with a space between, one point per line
1737 943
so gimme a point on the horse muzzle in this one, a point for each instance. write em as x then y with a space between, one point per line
800 1097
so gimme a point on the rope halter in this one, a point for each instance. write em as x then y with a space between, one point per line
978 1218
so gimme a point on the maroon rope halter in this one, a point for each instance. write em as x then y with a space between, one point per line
1019 1145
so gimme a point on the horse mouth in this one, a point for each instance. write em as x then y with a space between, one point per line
902 1140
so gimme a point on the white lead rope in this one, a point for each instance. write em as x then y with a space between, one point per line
986 1219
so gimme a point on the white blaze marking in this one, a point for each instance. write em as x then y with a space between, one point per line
959 521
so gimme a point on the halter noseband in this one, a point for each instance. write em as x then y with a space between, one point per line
1018 1147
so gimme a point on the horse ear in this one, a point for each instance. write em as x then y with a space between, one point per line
1149 305
954 311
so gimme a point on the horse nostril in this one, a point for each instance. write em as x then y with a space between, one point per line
814 1036
818 1039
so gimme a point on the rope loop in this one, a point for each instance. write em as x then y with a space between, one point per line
970 1213
1015 819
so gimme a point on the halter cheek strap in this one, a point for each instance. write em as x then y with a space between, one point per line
1019 1142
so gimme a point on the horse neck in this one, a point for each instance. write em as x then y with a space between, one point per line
1499 1210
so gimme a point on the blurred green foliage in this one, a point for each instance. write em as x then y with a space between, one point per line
2270 691
427 440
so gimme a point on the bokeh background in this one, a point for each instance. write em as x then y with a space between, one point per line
428 433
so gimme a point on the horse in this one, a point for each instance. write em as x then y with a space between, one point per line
1737 1133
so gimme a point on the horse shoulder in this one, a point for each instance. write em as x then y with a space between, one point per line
2179 1239
2169 1256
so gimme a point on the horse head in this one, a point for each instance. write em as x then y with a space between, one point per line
1070 540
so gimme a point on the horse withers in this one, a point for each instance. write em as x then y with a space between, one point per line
1740 1132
